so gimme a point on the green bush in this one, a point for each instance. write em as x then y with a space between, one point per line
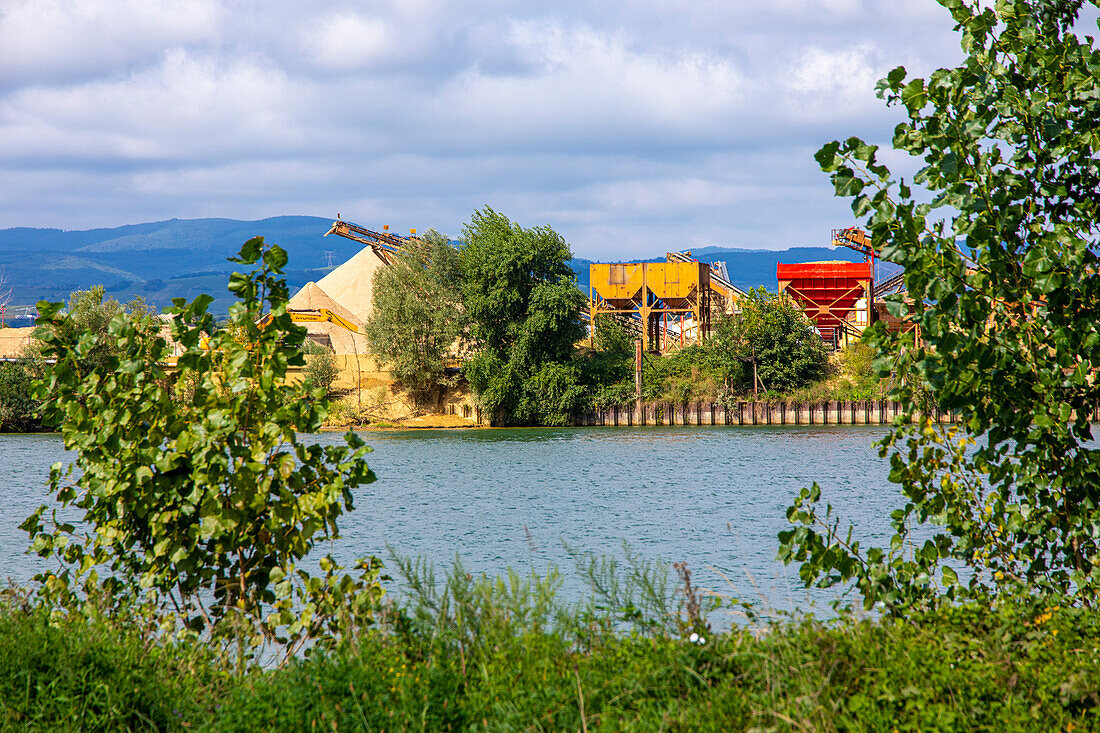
18 407
199 509
504 654
607 370
321 368
688 375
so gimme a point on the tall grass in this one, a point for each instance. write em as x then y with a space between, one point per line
465 652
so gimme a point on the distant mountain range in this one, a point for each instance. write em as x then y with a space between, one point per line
185 257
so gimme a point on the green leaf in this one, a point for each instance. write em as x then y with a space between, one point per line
914 96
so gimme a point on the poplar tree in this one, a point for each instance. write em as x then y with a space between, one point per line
417 318
998 235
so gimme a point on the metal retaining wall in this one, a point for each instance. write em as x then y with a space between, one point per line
752 413
844 412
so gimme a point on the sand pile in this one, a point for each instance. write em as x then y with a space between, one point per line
351 284
337 338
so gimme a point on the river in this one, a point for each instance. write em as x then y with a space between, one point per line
713 497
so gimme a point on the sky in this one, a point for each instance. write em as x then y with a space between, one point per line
630 127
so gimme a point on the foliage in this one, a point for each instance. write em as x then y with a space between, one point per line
417 316
691 374
524 307
88 311
506 654
858 360
321 368
772 330
81 673
850 375
1004 283
206 504
18 408
608 368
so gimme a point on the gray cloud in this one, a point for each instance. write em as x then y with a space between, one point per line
631 127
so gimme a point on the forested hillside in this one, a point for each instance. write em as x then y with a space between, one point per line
185 257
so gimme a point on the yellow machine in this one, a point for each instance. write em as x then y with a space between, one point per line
312 316
664 297
319 315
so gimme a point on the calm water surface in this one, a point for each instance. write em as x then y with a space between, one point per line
713 497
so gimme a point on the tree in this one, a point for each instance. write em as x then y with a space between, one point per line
417 318
321 367
203 504
1000 256
90 312
18 408
774 332
524 310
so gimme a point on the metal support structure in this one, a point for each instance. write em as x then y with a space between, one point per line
665 300
383 243
838 297
724 294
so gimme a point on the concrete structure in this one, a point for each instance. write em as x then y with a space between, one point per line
13 341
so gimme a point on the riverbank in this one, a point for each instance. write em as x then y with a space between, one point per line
420 422
510 666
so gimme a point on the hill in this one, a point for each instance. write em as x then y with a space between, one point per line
185 257
158 260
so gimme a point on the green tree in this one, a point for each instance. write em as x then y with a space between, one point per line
524 309
998 237
90 312
417 318
18 407
776 333
204 504
321 367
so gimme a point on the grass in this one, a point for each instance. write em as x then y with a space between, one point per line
849 377
505 654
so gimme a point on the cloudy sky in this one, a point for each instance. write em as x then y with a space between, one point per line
632 127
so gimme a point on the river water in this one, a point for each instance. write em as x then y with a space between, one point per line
713 497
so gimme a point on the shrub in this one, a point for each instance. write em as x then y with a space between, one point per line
205 505
321 368
18 407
